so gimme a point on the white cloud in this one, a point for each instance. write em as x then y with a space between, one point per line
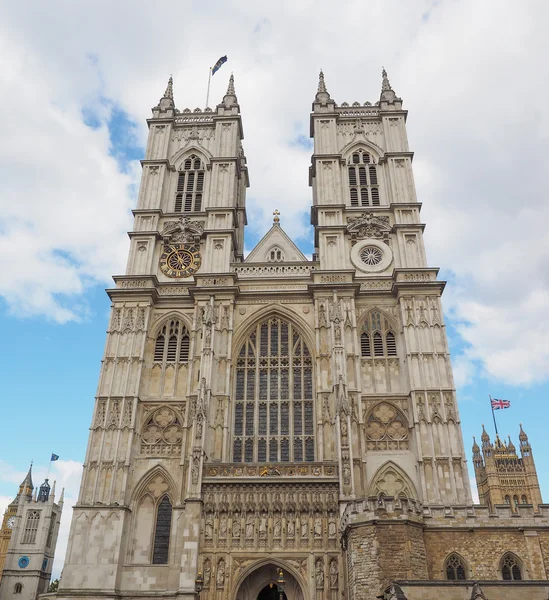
67 475
471 75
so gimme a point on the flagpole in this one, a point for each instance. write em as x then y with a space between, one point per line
493 416
208 93
49 465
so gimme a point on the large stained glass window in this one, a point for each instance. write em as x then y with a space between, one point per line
274 416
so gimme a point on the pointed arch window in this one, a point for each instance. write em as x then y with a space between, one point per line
275 255
377 338
455 568
510 568
31 527
274 417
363 182
190 185
162 532
524 499
172 343
17 588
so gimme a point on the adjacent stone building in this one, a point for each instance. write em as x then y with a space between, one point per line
273 417
28 539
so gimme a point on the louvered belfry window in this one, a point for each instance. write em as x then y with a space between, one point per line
274 417
31 527
377 338
190 186
363 184
162 532
172 343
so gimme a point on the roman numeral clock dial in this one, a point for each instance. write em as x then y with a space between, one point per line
180 260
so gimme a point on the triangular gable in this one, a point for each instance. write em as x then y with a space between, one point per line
276 237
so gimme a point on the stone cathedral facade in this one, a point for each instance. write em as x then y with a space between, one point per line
272 413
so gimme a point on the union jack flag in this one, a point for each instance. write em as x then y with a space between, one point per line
499 404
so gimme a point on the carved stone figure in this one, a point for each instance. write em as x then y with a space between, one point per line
236 525
334 576
304 525
223 527
263 526
318 527
207 572
209 527
332 527
250 526
277 527
220 578
290 526
319 574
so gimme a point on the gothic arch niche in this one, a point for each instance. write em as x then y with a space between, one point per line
149 507
273 412
390 480
168 355
386 428
256 579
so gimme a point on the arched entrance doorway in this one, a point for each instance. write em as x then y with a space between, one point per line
260 584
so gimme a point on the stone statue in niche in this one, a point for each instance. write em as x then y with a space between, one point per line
332 527
223 526
207 572
250 526
220 573
318 526
209 527
236 525
290 526
277 526
304 525
263 525
334 576
319 574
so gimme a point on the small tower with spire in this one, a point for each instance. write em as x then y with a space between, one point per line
28 539
504 478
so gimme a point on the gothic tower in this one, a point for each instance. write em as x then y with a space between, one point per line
271 420
502 476
33 522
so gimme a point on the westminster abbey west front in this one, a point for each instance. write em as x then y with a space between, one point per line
269 417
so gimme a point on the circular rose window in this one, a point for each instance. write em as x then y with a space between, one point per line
371 255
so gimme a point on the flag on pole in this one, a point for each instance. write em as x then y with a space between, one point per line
54 457
499 404
219 64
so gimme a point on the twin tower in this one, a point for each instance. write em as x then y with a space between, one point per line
270 424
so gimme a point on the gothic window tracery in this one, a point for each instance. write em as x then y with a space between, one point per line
172 343
190 185
162 532
363 182
386 428
162 433
31 527
455 568
273 419
510 568
275 255
377 338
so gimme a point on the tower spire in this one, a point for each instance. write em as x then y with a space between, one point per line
387 93
230 99
321 83
167 99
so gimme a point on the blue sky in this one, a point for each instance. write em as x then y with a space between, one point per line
477 118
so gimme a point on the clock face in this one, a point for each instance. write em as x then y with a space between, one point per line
11 522
180 260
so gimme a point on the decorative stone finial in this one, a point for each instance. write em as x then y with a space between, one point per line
166 101
387 93
230 87
385 85
321 83
276 218
169 89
